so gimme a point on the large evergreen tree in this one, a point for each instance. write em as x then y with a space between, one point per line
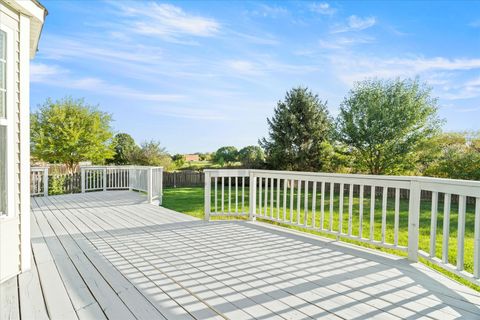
298 133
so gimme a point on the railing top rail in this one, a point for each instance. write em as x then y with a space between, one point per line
120 167
38 168
421 180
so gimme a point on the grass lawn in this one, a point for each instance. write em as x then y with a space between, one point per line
191 201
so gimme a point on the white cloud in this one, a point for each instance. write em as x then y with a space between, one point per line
322 8
166 21
243 67
59 77
41 72
355 23
344 42
264 10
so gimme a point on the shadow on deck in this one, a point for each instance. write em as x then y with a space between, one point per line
112 255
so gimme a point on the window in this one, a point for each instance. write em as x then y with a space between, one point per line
3 126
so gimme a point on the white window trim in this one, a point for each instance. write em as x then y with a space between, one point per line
10 121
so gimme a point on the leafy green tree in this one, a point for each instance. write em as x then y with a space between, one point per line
178 159
151 153
69 131
384 123
453 155
299 132
124 146
251 157
225 155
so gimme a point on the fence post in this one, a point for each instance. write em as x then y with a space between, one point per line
150 184
82 179
252 196
45 182
208 195
104 179
413 220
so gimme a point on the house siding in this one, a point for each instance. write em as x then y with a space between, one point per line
11 19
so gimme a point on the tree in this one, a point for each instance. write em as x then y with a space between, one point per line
299 132
179 159
453 155
124 147
251 157
225 155
69 131
383 124
151 153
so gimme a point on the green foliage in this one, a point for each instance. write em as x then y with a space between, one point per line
225 155
69 131
179 159
56 183
152 154
251 157
452 155
299 133
124 146
383 124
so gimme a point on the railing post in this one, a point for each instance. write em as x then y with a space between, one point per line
160 196
252 196
104 179
150 184
413 220
82 179
208 195
45 182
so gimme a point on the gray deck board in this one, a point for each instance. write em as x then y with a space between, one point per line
112 255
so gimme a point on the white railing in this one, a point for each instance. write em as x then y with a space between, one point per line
138 178
39 181
364 208
103 178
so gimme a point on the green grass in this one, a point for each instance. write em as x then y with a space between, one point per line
191 201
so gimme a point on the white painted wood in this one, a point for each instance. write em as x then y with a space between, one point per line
413 221
9 300
299 200
265 206
314 204
332 189
252 198
24 87
272 189
360 211
350 209
372 213
476 241
32 304
305 205
433 225
285 200
340 209
208 196
446 227
223 195
292 189
397 216
278 199
322 206
462 204
384 214
236 194
260 193
216 189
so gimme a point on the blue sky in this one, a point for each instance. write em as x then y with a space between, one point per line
200 75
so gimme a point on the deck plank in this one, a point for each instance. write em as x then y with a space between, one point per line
163 264
9 300
32 304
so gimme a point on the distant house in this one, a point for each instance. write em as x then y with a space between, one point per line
21 23
192 157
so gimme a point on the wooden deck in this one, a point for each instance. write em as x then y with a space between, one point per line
112 255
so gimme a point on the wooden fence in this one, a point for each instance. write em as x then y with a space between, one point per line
179 179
